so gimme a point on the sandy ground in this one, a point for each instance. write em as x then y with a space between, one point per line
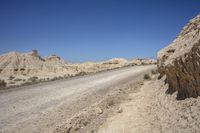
150 110
137 115
46 107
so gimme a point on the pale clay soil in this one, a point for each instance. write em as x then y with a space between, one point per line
150 110
79 104
130 106
141 107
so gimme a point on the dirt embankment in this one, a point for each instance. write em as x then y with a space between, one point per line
151 110
92 117
138 107
180 62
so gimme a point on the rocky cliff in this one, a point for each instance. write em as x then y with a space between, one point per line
180 62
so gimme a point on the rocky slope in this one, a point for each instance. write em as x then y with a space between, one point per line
180 61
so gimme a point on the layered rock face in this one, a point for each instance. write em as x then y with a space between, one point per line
15 63
20 63
180 62
55 64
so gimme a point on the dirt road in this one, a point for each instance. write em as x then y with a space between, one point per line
41 107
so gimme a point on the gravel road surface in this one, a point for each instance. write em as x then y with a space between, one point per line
41 107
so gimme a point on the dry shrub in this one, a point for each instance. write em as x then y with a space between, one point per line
33 79
81 73
2 84
147 77
28 83
11 77
56 78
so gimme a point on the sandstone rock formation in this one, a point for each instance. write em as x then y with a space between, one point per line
113 63
18 68
54 59
93 67
31 64
116 61
20 63
142 62
180 62
55 64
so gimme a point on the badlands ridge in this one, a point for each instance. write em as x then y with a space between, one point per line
24 68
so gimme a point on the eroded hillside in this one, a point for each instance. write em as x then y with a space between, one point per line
25 68
180 61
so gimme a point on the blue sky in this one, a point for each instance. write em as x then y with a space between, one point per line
93 30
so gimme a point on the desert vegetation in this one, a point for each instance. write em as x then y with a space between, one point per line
147 77
2 84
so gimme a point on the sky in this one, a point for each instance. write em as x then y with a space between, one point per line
93 30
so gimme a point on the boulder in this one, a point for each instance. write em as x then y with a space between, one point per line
180 62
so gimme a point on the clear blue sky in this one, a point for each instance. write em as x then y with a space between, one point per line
92 30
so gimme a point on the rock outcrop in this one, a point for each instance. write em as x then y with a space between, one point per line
18 68
180 62
136 62
119 61
20 63
54 59
93 67
55 63
15 63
